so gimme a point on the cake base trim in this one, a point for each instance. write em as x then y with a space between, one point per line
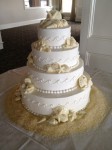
96 111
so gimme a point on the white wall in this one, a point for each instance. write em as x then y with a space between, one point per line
96 34
12 11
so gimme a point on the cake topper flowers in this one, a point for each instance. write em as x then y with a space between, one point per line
54 20
54 14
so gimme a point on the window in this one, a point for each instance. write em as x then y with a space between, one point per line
43 3
26 3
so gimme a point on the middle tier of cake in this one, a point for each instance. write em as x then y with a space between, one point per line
56 82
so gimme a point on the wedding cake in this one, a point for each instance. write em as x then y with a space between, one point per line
56 81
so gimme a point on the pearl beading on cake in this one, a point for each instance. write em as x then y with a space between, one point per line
56 92
55 47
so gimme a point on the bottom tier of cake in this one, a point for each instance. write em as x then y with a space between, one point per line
39 103
43 103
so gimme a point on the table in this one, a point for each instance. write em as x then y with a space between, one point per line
13 137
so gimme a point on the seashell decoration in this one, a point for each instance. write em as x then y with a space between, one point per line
72 115
27 86
30 59
61 115
64 68
41 45
70 43
53 121
84 82
60 110
54 14
42 120
90 83
17 94
55 23
56 68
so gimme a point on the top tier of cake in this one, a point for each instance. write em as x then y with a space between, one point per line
55 38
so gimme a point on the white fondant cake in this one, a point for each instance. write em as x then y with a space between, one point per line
70 57
56 73
56 82
54 37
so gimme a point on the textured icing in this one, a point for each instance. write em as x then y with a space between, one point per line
43 104
54 37
56 82
69 57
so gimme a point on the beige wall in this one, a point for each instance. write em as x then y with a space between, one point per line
12 11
